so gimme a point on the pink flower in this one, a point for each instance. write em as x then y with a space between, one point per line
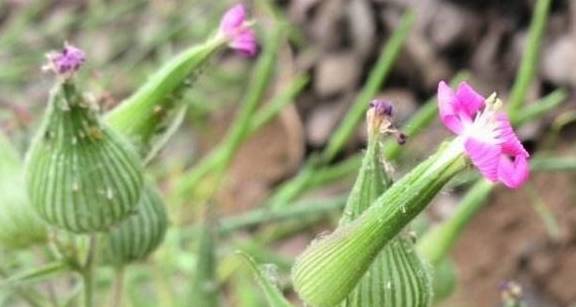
237 30
486 134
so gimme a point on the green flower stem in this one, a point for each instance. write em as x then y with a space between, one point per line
330 268
529 64
139 116
205 285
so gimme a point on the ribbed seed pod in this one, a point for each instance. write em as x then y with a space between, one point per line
333 265
395 275
20 226
81 176
139 235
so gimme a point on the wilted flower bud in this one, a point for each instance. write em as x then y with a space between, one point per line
66 61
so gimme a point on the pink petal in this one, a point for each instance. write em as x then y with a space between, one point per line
513 173
233 18
469 101
484 156
511 144
447 108
245 43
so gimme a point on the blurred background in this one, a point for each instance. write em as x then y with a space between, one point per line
528 235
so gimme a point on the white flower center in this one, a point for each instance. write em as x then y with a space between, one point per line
485 127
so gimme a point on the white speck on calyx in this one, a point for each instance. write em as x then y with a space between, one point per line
75 187
109 193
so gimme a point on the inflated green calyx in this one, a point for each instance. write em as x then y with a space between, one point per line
81 176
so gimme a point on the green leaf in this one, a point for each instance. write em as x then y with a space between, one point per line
35 275
205 283
530 58
273 294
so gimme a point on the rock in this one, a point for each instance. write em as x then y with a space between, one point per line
559 60
336 74
323 120
362 27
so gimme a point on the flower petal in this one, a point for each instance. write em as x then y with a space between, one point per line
447 108
484 156
513 173
468 100
511 145
233 18
245 43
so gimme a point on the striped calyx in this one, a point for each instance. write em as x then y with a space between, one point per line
326 272
139 235
20 226
80 175
397 276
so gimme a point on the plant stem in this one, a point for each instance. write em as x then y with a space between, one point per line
118 288
86 272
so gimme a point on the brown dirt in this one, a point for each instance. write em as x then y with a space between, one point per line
508 240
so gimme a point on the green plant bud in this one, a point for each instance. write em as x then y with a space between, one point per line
139 235
144 114
332 266
397 276
20 226
81 176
